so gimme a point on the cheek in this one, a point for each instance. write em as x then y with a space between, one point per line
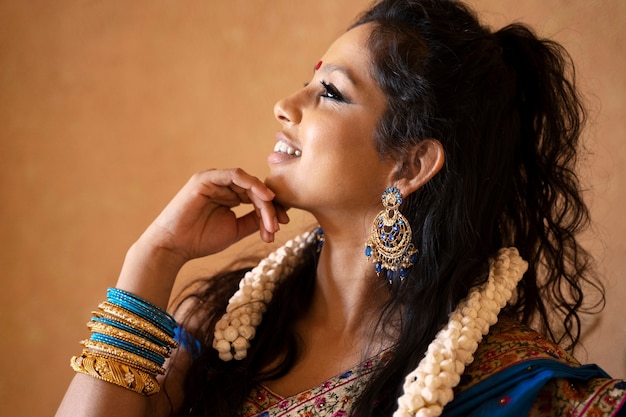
341 143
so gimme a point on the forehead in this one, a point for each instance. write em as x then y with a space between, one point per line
350 54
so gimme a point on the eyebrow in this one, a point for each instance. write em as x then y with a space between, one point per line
328 68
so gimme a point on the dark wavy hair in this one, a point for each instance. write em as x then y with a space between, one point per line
505 108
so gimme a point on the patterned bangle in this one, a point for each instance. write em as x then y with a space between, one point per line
128 347
118 313
114 331
105 321
123 355
133 364
143 308
115 372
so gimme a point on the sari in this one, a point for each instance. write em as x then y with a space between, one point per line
516 372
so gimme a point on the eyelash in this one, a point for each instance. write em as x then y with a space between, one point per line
331 92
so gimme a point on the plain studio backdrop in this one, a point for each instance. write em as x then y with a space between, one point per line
108 107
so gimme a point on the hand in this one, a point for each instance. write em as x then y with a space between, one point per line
199 221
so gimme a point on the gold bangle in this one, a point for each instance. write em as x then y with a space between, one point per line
106 355
99 327
123 355
114 372
117 313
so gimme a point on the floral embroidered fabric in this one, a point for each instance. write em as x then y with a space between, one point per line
509 343
516 372
516 368
594 398
333 398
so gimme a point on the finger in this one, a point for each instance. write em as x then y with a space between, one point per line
211 186
217 186
249 224
281 214
240 192
267 213
227 182
237 189
235 181
243 196
251 183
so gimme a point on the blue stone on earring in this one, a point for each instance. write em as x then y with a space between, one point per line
390 244
319 235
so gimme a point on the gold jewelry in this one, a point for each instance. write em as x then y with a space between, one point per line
123 355
117 313
127 348
99 327
390 244
112 371
107 355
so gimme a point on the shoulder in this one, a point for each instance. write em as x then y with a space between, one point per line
510 343
515 364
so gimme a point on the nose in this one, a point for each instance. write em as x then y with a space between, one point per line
288 111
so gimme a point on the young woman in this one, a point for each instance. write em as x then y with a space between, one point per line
438 158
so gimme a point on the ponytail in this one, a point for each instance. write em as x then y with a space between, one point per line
547 212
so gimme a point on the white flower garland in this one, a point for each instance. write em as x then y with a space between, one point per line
237 327
429 387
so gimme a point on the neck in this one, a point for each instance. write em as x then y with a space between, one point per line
348 293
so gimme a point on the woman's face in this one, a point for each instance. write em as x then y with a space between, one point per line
325 156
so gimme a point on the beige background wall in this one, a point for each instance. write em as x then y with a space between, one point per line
107 107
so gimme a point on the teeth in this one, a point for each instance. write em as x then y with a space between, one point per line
284 148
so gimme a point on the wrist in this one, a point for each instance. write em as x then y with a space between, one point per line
149 271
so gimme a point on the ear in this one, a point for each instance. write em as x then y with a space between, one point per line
424 161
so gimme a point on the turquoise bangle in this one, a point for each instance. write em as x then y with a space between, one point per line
139 300
129 347
143 314
140 306
145 309
129 329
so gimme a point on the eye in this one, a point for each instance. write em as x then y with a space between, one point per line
331 92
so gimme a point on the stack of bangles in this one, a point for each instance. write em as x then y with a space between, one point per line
130 340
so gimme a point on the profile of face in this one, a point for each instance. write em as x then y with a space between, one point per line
325 157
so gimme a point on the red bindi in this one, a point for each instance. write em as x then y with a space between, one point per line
317 66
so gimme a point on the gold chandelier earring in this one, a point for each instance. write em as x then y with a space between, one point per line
390 244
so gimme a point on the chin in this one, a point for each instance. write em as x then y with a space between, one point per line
284 195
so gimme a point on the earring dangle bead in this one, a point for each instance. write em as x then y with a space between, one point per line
390 246
319 236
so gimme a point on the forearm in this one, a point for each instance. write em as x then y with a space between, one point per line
91 397
148 272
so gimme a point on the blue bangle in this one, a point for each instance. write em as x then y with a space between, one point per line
145 309
142 314
147 304
129 347
130 329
